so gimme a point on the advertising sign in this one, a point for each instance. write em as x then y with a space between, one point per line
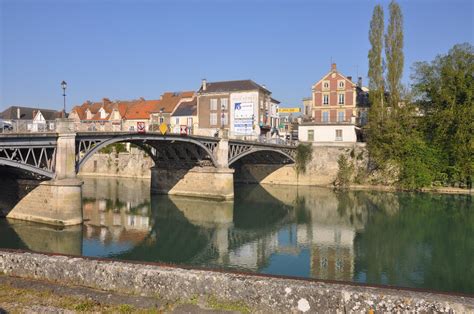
243 110
141 127
243 126
289 110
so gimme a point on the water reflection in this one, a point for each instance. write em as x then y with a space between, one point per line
414 240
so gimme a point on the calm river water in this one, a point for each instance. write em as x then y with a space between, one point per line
400 239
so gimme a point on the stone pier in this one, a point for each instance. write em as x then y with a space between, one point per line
58 201
205 182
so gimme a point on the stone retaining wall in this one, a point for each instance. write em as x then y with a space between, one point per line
252 292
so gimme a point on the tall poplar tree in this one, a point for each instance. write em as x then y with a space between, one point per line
376 86
394 54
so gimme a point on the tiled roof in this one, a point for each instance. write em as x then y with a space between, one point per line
186 108
132 109
231 86
27 113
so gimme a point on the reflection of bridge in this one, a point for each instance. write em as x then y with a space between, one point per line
184 165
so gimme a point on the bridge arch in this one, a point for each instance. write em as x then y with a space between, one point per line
268 151
88 145
27 167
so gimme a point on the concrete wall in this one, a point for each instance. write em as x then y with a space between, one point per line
251 292
322 170
135 164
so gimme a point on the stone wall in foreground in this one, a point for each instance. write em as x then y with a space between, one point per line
255 293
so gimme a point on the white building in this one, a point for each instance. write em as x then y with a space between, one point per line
327 133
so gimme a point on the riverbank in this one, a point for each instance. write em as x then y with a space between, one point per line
236 291
321 171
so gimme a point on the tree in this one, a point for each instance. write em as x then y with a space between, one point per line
394 54
445 93
376 85
375 74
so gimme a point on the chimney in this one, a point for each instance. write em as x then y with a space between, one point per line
333 67
349 78
204 84
359 82
18 113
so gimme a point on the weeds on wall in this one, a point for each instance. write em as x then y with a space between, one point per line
304 155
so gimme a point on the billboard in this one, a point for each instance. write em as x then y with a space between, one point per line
289 110
243 110
243 118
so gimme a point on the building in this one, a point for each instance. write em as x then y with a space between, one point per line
307 107
133 115
25 119
184 119
334 98
339 108
317 132
243 109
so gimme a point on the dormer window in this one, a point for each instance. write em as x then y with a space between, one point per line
340 84
325 85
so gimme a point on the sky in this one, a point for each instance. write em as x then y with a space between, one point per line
128 49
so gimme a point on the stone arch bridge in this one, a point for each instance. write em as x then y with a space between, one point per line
184 165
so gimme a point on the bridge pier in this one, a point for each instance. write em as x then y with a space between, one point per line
204 182
58 201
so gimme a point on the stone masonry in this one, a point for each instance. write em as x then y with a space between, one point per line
256 293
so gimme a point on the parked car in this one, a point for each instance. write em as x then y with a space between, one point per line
5 126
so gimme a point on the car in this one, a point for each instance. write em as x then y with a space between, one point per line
5 126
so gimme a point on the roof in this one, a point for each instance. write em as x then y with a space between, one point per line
273 100
231 86
132 109
186 108
27 113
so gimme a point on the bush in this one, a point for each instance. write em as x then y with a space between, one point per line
344 174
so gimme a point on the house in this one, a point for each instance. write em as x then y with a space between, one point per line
184 119
240 108
26 119
129 115
339 108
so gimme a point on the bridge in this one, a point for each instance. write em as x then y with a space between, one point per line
194 166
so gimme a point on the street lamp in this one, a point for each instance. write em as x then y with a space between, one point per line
63 86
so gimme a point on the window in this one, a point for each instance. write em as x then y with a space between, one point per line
162 119
213 118
190 122
340 116
338 135
340 84
177 121
214 104
325 85
325 116
310 135
224 103
341 99
326 99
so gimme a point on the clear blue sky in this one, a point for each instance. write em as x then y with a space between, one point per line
131 49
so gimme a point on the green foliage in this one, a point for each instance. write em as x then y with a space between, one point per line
444 90
418 164
116 147
344 174
394 54
303 157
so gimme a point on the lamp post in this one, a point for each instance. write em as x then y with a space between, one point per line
64 86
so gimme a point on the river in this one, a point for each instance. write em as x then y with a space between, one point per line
417 240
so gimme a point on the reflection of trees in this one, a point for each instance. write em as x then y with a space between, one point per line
428 243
